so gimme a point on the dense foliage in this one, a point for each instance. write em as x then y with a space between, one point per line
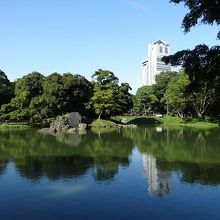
194 91
37 97
6 89
201 64
200 11
109 98
175 94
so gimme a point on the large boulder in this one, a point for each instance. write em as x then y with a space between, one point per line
69 122
82 126
60 123
73 119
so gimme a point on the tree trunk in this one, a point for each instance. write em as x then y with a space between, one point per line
199 115
145 111
180 114
167 110
100 116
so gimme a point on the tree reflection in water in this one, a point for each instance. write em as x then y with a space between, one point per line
193 153
65 156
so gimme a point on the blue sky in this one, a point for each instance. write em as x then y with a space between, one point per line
81 36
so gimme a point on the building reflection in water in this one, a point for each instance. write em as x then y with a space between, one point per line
159 182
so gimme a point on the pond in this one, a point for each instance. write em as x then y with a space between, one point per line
143 173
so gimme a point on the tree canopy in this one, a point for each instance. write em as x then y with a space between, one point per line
200 11
202 63
6 89
38 97
145 100
109 98
175 96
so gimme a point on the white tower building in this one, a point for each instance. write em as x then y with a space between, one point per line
154 65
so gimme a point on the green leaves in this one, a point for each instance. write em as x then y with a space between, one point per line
175 96
105 77
109 98
38 97
203 11
202 66
6 89
145 100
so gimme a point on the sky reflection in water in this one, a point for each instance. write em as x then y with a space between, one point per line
135 172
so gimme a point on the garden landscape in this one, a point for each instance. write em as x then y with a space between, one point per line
89 146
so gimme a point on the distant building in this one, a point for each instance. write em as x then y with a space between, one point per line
159 182
154 65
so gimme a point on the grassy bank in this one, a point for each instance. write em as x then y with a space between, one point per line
195 123
100 123
14 126
126 121
137 120
167 121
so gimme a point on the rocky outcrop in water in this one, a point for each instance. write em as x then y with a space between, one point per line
68 123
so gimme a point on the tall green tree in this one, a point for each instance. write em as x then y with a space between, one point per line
201 100
175 96
6 89
200 11
31 84
123 98
62 94
103 100
162 80
78 91
105 78
202 65
145 100
26 88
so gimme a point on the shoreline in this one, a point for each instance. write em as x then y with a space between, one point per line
132 122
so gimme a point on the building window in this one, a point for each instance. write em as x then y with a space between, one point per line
166 50
161 49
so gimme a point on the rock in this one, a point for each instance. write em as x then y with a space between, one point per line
82 126
68 123
61 122
73 119
71 131
65 122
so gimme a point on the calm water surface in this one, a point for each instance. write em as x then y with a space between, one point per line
143 173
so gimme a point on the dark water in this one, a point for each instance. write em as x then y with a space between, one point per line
144 173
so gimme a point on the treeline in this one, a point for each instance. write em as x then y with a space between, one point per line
197 91
184 93
194 91
35 97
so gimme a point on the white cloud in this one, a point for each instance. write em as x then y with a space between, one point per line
136 4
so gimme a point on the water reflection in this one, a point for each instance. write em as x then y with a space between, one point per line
195 154
63 156
159 181
3 165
